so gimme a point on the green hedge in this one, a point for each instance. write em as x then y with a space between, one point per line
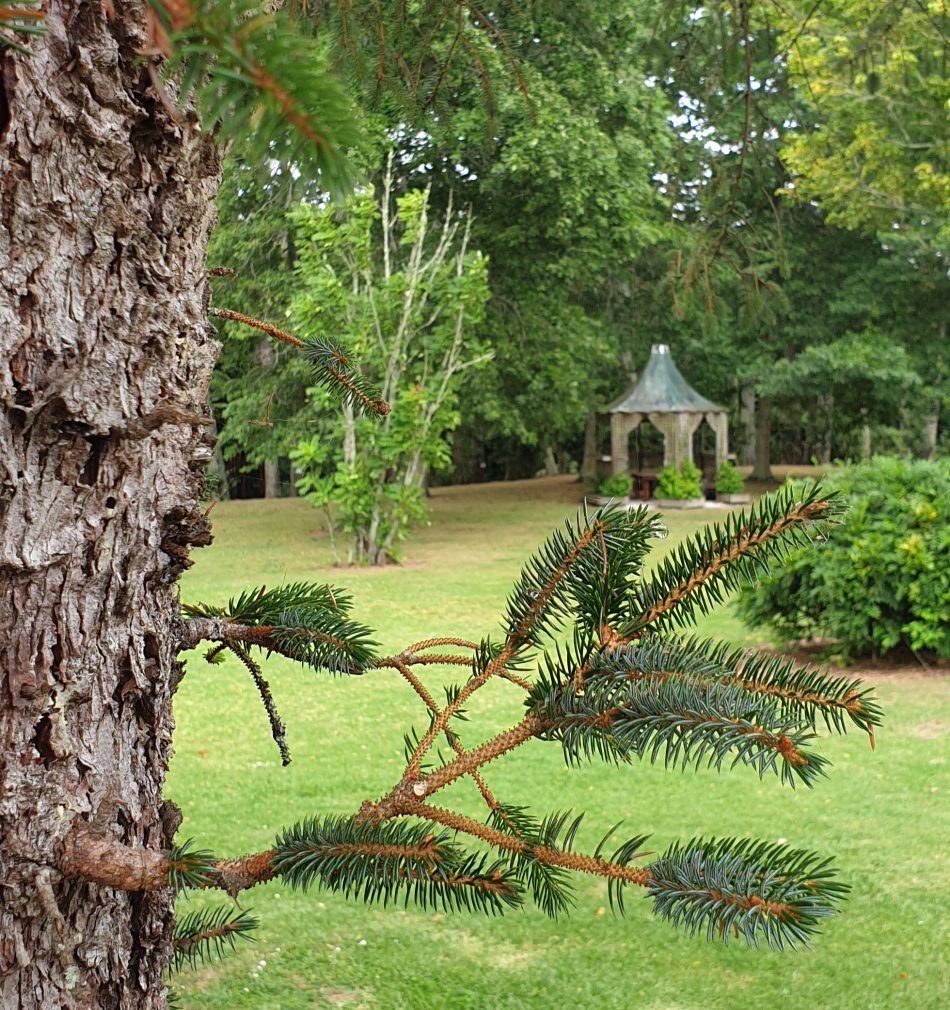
882 579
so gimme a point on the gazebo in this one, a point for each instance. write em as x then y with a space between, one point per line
664 398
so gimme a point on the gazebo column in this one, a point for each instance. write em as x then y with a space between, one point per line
688 425
619 455
665 424
719 423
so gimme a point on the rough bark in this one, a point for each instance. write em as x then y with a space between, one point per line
105 208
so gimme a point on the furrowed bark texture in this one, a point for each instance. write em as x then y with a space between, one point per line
105 207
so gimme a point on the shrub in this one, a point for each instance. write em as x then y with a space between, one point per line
617 485
882 580
680 485
729 480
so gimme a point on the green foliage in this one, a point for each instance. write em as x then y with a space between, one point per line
729 480
617 485
190 867
686 721
876 76
752 889
209 934
323 640
882 580
680 485
19 19
700 572
384 862
261 606
405 292
550 886
234 58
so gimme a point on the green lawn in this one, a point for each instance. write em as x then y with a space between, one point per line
882 814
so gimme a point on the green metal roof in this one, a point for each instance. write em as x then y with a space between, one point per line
661 389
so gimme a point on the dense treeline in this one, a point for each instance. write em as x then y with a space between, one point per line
655 174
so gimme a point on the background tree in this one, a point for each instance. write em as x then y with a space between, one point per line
404 291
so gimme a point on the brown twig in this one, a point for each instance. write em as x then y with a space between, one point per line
554 857
258 324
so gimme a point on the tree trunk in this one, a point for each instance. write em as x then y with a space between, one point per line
105 354
550 462
865 441
267 356
747 426
762 469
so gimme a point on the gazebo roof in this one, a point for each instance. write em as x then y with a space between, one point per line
661 389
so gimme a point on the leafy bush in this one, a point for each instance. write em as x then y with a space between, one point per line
729 480
882 580
617 485
680 485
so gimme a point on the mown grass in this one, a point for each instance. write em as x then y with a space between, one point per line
882 814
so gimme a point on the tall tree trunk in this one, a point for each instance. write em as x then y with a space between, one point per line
267 356
747 426
105 354
762 469
550 462
825 430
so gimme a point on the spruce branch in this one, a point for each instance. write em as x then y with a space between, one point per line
751 889
332 366
277 727
335 371
234 59
800 692
686 720
258 324
187 867
702 570
210 934
532 849
323 640
20 19
386 861
262 606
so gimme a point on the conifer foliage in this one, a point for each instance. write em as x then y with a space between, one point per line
586 638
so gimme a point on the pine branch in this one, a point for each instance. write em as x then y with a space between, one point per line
752 889
385 861
335 371
324 640
210 934
701 571
616 869
277 727
234 58
262 606
549 885
687 720
800 693
187 867
305 622
20 20
332 366
602 583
